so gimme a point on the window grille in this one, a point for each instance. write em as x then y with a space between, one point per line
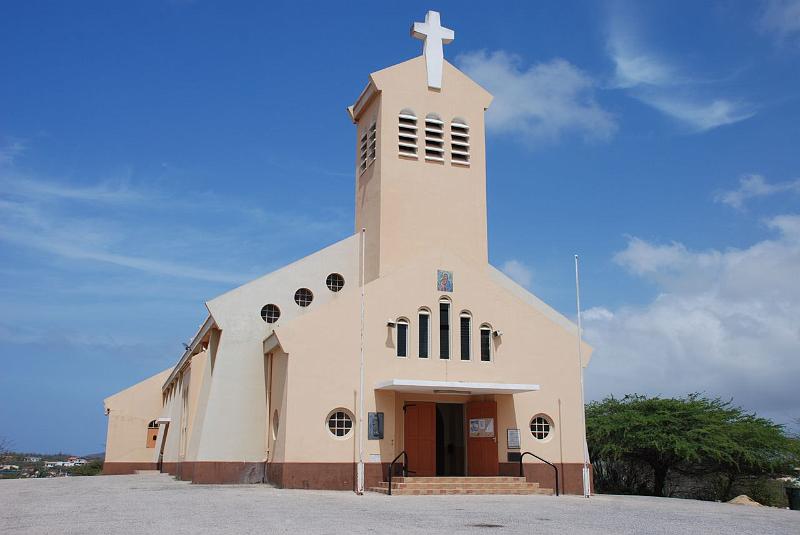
459 142
339 423
434 138
303 297
540 427
407 133
270 313
424 333
334 282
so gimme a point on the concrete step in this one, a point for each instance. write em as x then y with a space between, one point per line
469 479
147 473
458 491
460 485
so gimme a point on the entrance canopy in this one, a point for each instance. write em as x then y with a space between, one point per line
453 387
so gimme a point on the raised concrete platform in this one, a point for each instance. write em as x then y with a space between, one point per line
427 486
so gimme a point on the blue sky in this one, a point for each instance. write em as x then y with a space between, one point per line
156 154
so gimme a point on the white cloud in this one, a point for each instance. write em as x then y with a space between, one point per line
113 224
543 102
781 18
753 186
724 322
700 115
664 86
518 272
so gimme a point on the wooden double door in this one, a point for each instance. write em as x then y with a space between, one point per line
423 439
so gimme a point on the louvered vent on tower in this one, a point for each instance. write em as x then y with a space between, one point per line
459 142
362 153
434 138
407 133
371 143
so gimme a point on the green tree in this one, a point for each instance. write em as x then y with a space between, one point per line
695 434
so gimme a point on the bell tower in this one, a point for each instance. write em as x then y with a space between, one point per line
421 160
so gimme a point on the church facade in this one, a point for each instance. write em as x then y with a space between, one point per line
399 338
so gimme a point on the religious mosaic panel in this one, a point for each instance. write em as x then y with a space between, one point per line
444 281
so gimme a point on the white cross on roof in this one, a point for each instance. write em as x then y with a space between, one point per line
434 35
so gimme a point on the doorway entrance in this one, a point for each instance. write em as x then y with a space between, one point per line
439 443
450 443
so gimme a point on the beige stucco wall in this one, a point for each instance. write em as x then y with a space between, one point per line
129 412
234 423
537 347
422 206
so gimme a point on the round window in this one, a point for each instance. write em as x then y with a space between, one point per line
303 297
540 427
270 313
335 282
340 423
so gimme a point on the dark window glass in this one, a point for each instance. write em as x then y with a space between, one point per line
303 297
270 313
335 282
402 339
486 345
465 349
424 327
444 330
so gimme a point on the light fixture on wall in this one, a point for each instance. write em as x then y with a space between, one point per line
390 323
497 333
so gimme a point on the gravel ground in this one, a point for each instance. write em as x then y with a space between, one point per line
158 504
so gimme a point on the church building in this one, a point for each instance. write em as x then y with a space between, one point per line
400 343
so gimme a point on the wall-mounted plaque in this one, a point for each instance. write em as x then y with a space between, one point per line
481 427
444 280
513 439
375 426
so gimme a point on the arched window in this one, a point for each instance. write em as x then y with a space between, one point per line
459 142
444 328
434 138
402 337
407 133
465 335
486 343
152 434
424 333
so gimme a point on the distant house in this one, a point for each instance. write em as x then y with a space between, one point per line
9 468
32 459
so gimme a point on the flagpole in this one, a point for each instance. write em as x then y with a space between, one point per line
360 471
586 486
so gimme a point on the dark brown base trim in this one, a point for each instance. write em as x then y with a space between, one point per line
122 468
324 476
570 475
328 476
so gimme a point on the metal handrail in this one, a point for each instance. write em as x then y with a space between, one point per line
404 455
521 473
